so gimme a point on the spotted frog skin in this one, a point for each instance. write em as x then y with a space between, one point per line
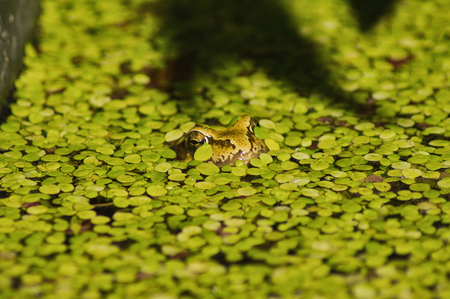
238 142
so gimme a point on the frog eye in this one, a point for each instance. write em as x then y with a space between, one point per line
195 140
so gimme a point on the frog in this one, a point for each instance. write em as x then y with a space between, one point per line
237 142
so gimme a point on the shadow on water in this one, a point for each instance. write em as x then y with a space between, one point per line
206 35
369 13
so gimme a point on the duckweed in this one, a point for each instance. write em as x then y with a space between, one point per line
350 201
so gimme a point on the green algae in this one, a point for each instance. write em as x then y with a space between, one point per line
349 202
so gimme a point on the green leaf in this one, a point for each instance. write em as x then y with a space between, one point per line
203 153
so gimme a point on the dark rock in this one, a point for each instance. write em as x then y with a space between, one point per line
18 20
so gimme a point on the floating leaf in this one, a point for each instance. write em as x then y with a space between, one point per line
173 135
319 165
133 158
444 183
36 210
203 153
156 190
173 209
247 191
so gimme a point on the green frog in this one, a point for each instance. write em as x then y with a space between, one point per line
238 142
